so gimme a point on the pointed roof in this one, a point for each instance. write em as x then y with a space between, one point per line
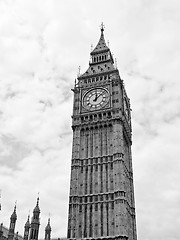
101 46
101 59
27 224
14 215
37 209
48 227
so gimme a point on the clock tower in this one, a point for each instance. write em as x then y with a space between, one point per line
101 201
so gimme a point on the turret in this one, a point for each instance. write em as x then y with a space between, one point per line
35 222
1 231
13 219
26 229
48 231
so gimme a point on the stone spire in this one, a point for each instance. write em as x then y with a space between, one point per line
101 59
13 219
35 222
36 210
48 231
101 46
26 229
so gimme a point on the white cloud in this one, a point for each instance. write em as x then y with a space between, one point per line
42 43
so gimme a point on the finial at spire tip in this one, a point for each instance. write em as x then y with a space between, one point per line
102 27
38 198
15 205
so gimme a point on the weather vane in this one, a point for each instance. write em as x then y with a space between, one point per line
102 26
15 205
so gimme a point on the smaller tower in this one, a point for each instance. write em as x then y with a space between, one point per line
35 222
1 231
16 236
26 229
13 219
48 231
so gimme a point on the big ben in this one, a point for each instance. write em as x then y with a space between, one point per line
101 201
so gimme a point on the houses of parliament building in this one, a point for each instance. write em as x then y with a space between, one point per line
101 199
31 229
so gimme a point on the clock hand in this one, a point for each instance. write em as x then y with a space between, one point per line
95 97
98 95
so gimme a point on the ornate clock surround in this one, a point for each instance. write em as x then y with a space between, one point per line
95 98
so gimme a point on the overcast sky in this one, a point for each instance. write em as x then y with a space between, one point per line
42 44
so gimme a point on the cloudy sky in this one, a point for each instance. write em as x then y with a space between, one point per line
42 44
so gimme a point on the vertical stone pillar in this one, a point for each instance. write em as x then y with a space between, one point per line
87 143
82 221
104 175
103 141
118 137
108 222
95 140
83 177
69 221
108 140
85 221
111 219
99 177
76 143
91 142
99 219
107 176
73 220
121 218
100 142
88 220
88 178
77 220
96 222
93 220
104 219
91 190
94 179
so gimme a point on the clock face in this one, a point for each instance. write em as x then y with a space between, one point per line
95 99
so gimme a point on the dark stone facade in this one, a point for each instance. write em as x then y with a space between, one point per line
101 201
